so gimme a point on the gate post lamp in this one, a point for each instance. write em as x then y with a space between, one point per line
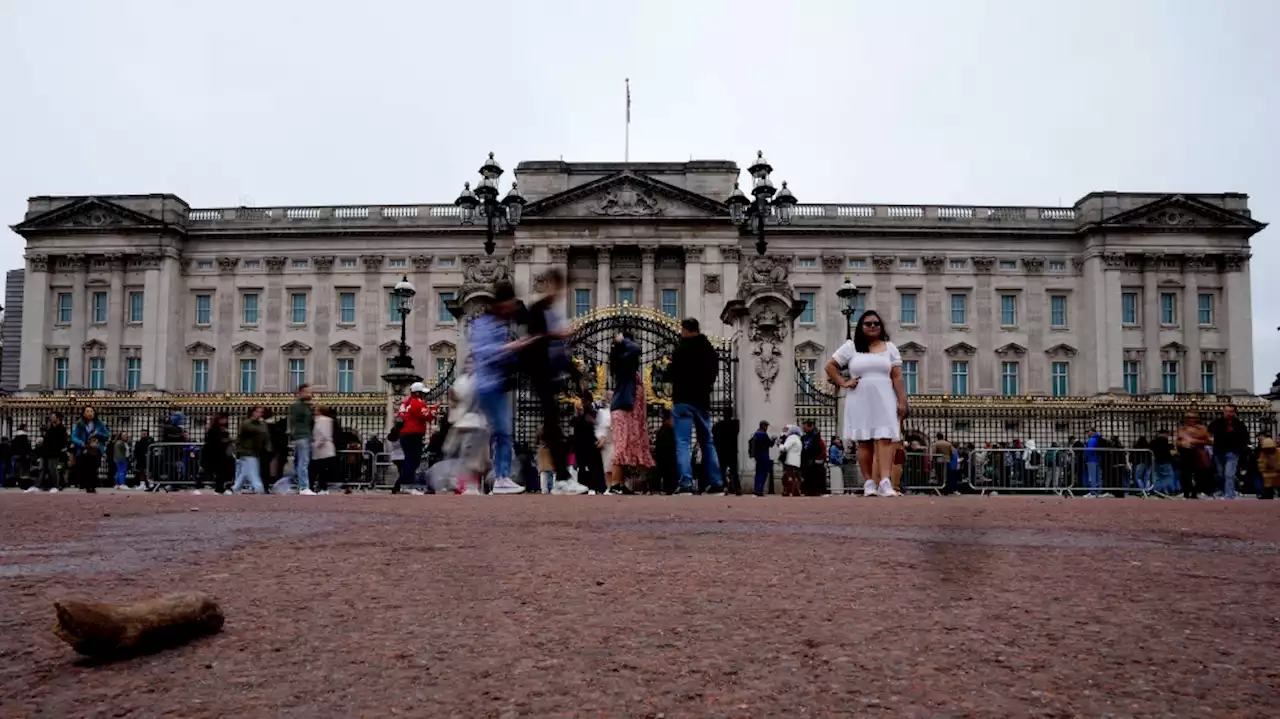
401 373
848 294
755 212
504 215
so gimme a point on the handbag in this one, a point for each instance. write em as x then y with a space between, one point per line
396 428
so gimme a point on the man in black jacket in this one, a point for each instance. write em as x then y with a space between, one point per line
53 453
1230 443
693 370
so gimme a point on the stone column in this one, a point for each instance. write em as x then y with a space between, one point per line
324 306
1150 317
1190 321
115 321
604 265
522 271
692 294
1102 280
1238 317
277 317
981 317
559 257
77 376
422 320
151 316
1035 310
171 319
35 368
648 254
933 314
371 310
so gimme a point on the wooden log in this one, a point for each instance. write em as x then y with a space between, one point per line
141 627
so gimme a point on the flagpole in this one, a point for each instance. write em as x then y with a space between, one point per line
626 152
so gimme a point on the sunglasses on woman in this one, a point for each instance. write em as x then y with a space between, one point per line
871 325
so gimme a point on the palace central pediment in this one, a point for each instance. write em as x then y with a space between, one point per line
627 196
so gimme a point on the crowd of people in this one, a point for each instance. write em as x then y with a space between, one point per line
469 448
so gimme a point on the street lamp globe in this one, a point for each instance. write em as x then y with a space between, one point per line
738 204
466 203
404 293
848 294
514 203
784 201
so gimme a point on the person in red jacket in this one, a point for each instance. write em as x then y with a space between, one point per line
416 415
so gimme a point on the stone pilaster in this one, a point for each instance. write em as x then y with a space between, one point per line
35 368
1190 321
1238 317
115 320
692 294
1150 319
604 287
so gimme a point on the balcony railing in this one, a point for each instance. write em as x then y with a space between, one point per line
811 214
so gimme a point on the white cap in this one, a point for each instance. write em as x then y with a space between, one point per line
417 387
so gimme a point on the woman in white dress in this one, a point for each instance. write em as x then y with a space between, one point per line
876 402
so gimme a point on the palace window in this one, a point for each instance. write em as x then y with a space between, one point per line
249 308
809 368
393 308
1058 311
581 302
253 264
671 302
1204 308
204 265
1061 382
396 263
1057 266
806 262
97 373
1009 379
442 366
907 315
1209 377
200 375
298 308
347 262
64 308
132 373
959 377
204 309
248 375
856 263
299 264
809 314
1169 376
910 372
443 315
959 309
346 308
1129 308
1008 310
1008 264
907 264
1132 375
98 308
60 373
136 303
958 264
346 374
626 295
1168 308
446 262
297 373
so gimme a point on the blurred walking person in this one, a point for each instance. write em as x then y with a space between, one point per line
547 363
758 448
252 439
1193 457
1230 443
324 450
216 455
495 357
53 454
693 370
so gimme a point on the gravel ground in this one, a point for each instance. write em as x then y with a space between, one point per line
377 606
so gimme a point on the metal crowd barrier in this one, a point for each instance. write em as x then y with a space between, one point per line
924 472
1114 471
173 464
355 469
1062 471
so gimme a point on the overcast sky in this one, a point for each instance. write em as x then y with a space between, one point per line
1018 102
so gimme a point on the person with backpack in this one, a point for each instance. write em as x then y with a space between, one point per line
758 449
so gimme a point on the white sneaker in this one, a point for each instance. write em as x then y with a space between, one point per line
869 489
323 492
472 491
307 493
569 486
506 485
886 489
416 492
196 491
29 490
53 491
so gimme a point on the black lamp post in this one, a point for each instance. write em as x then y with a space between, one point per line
848 294
485 197
764 206
401 373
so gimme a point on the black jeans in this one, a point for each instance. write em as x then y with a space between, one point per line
412 445
1193 477
86 469
552 435
51 473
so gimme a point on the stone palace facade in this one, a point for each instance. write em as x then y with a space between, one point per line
1144 293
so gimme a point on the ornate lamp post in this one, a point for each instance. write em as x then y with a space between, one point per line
485 197
401 373
848 294
743 211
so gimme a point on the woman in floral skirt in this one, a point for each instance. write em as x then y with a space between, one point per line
627 414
